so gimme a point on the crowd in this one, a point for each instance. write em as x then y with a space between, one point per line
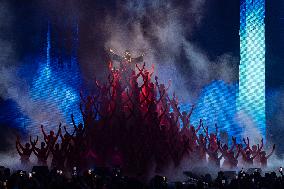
132 123
102 178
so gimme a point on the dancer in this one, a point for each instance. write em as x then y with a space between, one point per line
264 157
126 60
51 138
58 157
24 152
41 153
228 154
79 130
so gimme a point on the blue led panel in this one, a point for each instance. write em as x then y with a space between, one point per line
251 94
55 88
216 104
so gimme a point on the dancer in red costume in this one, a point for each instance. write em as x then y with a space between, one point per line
228 154
264 157
254 151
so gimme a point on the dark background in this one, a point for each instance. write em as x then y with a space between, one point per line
218 34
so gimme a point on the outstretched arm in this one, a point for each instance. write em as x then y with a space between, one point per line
234 143
140 70
220 147
73 121
247 144
138 59
238 153
162 115
58 133
199 126
35 150
242 151
44 134
189 114
46 156
261 145
273 148
114 56
216 128
206 131
152 70
19 143
17 147
67 131
33 143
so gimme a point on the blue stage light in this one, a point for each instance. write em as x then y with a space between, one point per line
251 94
216 104
58 88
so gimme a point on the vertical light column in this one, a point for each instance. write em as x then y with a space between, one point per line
251 94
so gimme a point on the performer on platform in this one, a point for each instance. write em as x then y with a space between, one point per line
126 61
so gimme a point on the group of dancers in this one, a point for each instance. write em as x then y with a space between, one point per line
133 123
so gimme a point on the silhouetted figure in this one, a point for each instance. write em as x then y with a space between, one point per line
41 153
51 138
126 61
58 157
264 157
24 151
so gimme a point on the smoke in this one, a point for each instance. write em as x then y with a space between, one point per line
250 129
13 86
163 30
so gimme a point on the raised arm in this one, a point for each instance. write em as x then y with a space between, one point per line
152 70
216 129
234 144
164 111
246 144
17 147
239 151
242 151
261 144
206 130
19 143
199 126
44 134
73 121
46 155
67 131
33 143
220 147
189 114
273 148
140 70
256 154
35 150
114 56
58 133
82 112
138 59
